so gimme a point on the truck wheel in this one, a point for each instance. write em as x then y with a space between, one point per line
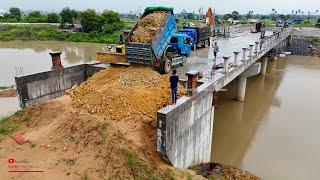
165 67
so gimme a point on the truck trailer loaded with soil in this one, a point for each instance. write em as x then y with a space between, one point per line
153 40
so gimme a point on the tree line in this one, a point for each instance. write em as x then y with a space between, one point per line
108 21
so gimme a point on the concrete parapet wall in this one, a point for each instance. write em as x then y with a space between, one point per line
184 131
40 87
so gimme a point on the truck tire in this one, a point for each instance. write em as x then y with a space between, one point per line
165 66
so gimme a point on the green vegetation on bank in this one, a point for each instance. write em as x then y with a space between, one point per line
32 33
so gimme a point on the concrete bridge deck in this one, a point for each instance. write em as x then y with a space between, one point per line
184 129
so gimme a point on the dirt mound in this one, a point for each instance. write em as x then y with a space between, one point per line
68 143
148 26
8 93
219 171
124 93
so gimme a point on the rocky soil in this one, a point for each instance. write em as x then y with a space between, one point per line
148 26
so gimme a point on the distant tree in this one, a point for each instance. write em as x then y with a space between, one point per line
111 21
68 15
15 12
235 15
35 17
227 16
53 18
190 16
318 20
110 17
90 21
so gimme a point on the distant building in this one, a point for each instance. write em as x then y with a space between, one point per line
2 12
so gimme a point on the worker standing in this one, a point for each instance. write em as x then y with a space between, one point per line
215 50
174 79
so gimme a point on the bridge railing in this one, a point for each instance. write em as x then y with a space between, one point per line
244 59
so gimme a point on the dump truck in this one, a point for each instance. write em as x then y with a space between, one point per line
200 34
164 49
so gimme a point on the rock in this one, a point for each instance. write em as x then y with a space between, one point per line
48 146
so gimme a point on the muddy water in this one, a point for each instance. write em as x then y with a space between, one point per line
22 58
275 132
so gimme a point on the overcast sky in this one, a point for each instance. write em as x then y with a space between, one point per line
221 6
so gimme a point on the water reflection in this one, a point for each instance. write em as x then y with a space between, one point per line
33 57
273 133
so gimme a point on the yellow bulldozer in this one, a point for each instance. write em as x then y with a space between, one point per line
116 53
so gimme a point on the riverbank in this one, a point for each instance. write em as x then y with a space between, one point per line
47 33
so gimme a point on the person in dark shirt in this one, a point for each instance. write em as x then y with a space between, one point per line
174 79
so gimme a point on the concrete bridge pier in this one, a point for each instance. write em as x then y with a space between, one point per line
241 88
264 62
253 70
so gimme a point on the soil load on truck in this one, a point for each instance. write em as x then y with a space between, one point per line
148 26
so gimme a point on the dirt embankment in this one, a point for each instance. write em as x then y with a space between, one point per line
89 133
8 93
148 26
222 172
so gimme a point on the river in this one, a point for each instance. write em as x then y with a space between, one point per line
22 58
275 133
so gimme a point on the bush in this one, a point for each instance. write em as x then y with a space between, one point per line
68 16
53 18
90 21
35 17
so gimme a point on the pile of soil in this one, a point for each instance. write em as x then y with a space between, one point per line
148 26
219 171
8 93
124 93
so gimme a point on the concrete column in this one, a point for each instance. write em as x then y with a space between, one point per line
256 48
250 50
264 62
241 88
226 64
244 55
236 53
56 60
274 58
192 81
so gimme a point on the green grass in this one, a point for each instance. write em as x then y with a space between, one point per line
8 126
32 33
4 87
306 23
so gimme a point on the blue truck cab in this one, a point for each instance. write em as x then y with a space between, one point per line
192 33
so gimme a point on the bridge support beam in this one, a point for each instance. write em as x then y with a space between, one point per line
241 88
264 62
253 70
